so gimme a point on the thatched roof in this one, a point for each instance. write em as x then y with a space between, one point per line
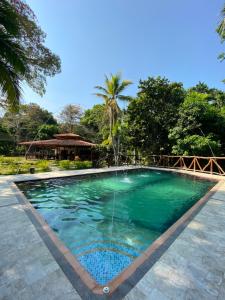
61 140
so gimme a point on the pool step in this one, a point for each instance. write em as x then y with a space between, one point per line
106 245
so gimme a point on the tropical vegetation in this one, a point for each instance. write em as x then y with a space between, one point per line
23 55
162 118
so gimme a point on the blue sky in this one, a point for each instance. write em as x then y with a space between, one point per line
140 38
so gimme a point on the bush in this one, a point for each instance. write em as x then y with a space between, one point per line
75 165
83 164
43 165
197 145
65 164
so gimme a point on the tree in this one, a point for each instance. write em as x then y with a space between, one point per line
13 61
6 140
95 125
111 92
200 127
23 56
30 122
153 113
70 117
214 96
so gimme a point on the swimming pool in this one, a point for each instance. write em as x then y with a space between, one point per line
109 220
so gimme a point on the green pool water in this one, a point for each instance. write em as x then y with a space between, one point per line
109 220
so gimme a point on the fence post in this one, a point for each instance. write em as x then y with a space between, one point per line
194 164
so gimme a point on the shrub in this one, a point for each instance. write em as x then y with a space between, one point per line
70 165
65 164
83 164
43 165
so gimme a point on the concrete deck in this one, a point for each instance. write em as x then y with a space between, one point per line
193 267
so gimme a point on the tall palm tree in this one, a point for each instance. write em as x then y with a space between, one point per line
12 58
111 92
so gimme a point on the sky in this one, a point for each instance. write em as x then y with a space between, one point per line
138 38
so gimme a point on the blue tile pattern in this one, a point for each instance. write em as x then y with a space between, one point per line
104 265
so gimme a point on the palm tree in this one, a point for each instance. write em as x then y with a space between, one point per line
12 58
111 93
221 27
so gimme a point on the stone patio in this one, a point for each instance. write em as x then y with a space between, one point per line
193 267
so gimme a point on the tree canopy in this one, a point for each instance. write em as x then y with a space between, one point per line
199 129
153 113
23 55
70 117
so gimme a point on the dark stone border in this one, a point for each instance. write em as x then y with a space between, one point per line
122 284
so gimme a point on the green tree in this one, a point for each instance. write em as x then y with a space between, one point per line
13 61
30 122
200 127
214 96
6 140
95 123
111 92
23 56
47 131
153 113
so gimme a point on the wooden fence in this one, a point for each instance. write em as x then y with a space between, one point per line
210 165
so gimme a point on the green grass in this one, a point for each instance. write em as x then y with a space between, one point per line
19 165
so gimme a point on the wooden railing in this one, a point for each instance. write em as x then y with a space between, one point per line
210 165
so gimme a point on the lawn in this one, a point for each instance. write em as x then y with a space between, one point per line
20 165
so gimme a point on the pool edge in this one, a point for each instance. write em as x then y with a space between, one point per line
127 279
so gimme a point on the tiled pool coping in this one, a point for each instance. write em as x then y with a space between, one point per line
121 285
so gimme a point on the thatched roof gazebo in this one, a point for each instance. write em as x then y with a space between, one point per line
63 146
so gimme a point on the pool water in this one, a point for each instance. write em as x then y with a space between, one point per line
109 220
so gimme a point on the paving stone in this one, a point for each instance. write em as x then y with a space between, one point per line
135 294
193 267
155 294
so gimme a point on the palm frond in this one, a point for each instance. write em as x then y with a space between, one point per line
221 27
9 18
123 85
10 85
103 96
124 98
12 53
98 87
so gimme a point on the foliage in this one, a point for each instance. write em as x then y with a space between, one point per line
19 165
153 113
6 140
47 131
70 117
64 164
214 96
197 145
43 165
13 61
95 122
71 165
30 122
23 56
41 61
199 124
221 31
111 92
